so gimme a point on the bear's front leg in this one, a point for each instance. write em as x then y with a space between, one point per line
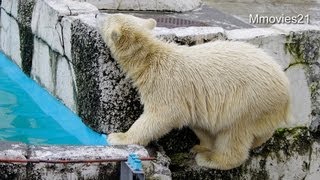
148 127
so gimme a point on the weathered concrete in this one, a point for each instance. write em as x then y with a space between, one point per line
147 5
65 88
100 83
104 170
13 151
204 16
291 45
191 35
10 37
47 25
286 155
16 19
43 65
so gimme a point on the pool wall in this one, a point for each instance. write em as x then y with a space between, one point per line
65 54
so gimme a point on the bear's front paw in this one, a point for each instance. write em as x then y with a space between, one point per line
117 139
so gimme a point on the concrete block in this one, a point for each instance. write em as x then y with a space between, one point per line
10 38
43 62
291 45
48 27
108 101
65 85
304 48
300 96
270 40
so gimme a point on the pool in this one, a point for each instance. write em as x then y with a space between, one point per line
29 114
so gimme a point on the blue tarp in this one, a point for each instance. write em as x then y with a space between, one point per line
29 114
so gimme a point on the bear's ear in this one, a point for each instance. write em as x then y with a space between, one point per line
115 34
151 23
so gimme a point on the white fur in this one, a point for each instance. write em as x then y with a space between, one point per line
231 94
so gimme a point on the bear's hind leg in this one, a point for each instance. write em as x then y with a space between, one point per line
231 150
206 141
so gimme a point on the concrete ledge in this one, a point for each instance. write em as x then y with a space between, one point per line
147 5
18 151
191 35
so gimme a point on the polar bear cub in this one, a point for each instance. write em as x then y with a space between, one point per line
231 94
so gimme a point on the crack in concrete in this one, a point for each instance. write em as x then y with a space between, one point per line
4 10
56 28
29 165
69 10
119 4
139 5
309 162
302 63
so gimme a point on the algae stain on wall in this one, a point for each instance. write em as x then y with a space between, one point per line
25 9
304 47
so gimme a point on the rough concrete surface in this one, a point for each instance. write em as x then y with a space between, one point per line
147 5
42 170
203 16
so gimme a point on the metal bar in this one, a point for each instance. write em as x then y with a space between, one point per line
70 160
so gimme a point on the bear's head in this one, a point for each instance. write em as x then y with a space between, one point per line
122 28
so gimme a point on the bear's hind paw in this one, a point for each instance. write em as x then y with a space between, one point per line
203 159
199 149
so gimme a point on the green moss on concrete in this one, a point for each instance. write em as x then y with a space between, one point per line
292 46
178 158
288 140
304 47
25 9
255 174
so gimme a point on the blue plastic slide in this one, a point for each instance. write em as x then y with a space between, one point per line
29 114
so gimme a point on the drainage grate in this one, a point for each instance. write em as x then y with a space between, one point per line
171 22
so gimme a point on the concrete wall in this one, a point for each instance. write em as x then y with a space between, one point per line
57 43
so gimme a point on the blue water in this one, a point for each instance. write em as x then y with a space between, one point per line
31 115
